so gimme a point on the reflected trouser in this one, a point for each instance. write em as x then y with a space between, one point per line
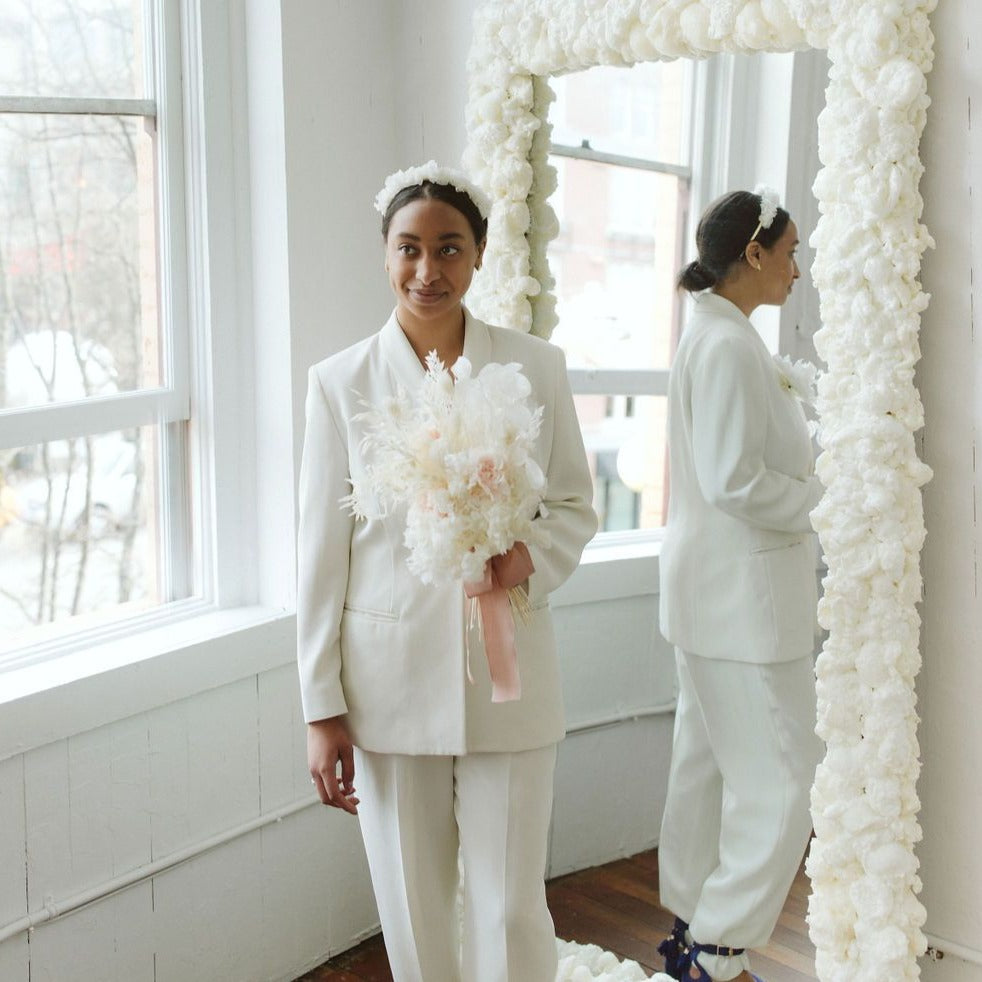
737 817
414 812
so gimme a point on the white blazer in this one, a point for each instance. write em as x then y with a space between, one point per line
737 564
374 642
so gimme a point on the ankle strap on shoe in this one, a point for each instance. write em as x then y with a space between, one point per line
716 949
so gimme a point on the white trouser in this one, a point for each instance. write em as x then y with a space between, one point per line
415 812
737 817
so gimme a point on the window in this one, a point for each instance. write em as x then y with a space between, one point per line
620 143
94 328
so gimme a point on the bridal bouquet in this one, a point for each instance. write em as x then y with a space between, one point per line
459 457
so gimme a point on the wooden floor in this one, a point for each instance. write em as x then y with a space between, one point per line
616 906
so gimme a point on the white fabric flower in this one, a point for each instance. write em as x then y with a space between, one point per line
431 171
770 201
590 963
798 377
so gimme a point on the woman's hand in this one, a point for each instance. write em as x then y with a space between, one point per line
328 743
514 567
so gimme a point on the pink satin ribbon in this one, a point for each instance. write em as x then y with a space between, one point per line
501 573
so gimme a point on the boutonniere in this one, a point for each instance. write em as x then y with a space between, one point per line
797 377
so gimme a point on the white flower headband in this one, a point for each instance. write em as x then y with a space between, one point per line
431 171
769 203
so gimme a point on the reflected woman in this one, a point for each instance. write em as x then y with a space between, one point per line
738 601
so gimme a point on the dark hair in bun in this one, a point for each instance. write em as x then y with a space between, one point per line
723 234
695 277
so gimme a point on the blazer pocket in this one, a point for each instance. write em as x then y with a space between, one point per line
761 550
374 615
790 574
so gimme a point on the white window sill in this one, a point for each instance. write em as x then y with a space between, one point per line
616 566
88 688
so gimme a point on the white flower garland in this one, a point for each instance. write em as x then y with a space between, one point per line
588 963
864 915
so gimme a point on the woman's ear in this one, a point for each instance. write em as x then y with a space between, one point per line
480 253
752 255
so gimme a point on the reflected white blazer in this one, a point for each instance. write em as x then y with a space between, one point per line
373 641
737 565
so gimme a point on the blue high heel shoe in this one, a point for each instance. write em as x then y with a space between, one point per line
692 971
674 949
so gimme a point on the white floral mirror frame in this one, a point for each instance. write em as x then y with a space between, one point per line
864 916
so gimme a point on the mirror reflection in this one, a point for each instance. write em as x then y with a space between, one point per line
638 153
641 154
621 141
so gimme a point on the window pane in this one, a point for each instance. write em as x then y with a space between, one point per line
615 261
78 532
82 48
625 444
637 112
78 291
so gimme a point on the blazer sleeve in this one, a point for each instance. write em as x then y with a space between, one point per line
323 552
729 427
568 515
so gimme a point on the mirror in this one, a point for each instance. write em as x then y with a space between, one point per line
864 917
638 152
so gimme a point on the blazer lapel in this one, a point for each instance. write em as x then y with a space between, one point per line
406 367
400 356
477 342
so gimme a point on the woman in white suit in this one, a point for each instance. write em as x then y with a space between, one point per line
383 658
738 601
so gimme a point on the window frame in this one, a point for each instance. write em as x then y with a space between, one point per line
613 382
716 116
163 112
205 539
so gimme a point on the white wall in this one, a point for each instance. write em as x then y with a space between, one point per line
950 684
342 119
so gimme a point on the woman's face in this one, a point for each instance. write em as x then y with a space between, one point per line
430 256
778 268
